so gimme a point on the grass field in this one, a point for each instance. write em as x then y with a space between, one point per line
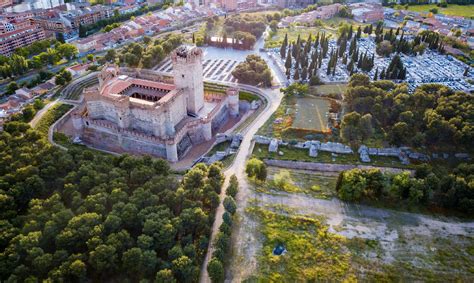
316 184
452 9
369 248
293 33
330 27
313 252
310 113
300 114
325 90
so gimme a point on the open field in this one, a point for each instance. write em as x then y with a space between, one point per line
452 9
328 26
316 184
293 32
297 117
325 90
328 240
311 113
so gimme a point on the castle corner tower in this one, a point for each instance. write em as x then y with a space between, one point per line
188 75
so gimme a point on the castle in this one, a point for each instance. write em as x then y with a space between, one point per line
138 111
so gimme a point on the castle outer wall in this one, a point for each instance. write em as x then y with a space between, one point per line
129 113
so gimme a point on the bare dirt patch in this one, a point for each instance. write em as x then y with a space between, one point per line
383 244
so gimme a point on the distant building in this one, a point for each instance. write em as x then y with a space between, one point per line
293 3
53 22
12 40
229 5
321 13
366 12
5 3
88 15
85 45
6 27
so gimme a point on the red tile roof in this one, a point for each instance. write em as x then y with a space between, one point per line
117 85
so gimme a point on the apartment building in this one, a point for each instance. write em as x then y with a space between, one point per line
5 3
12 40
88 15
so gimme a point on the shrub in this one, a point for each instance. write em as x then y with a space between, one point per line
233 187
256 168
222 241
215 270
227 217
230 205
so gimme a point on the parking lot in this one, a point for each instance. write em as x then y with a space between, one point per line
213 69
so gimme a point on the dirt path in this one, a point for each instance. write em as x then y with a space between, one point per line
40 113
401 236
273 100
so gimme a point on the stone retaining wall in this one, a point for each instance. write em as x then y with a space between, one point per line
327 167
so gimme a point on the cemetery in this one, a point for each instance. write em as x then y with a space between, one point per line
429 66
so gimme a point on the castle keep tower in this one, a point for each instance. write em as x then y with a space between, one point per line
187 71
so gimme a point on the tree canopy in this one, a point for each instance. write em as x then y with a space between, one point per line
67 216
453 191
254 71
433 115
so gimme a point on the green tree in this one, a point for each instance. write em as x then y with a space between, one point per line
366 129
215 270
103 259
350 127
67 51
256 168
384 48
184 269
165 276
111 55
296 89
78 269
230 205
11 88
132 261
233 187
400 134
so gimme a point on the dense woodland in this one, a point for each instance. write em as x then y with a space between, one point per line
433 116
453 191
77 215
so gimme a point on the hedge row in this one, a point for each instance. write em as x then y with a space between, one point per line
215 267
